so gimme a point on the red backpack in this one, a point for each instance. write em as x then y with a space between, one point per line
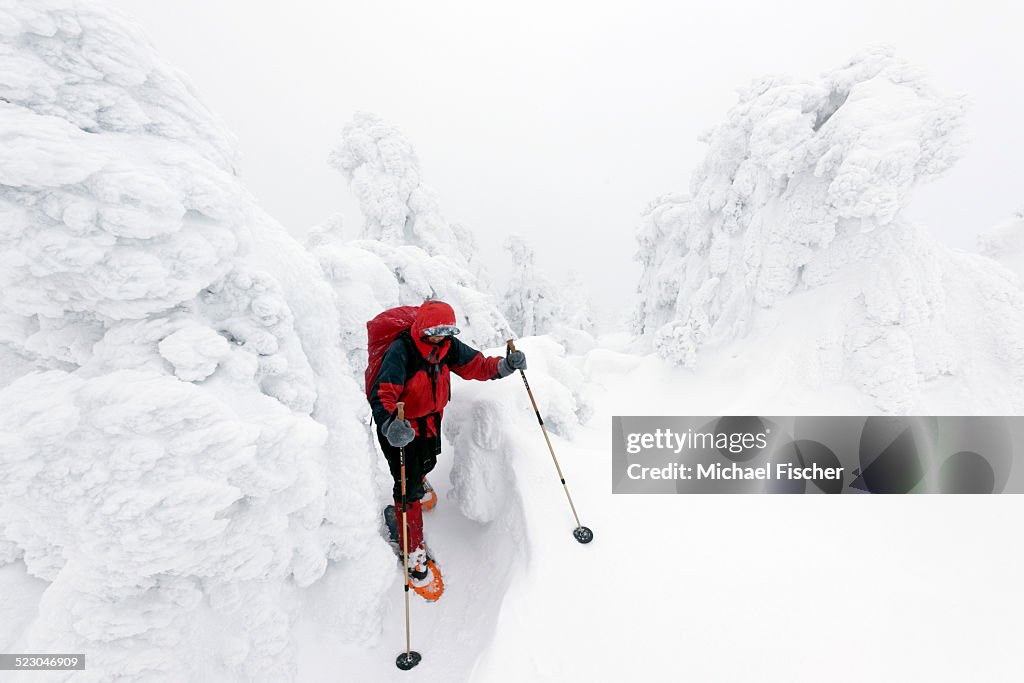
380 332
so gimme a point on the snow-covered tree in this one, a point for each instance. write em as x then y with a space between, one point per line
536 305
578 311
180 447
407 251
382 170
801 190
533 303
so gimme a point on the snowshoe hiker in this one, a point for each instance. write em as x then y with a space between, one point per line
412 351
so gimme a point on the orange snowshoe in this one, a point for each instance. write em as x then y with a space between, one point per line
424 574
425 578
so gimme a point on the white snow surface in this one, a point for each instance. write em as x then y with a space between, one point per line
744 588
801 194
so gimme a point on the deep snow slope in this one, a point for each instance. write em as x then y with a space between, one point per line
801 191
743 588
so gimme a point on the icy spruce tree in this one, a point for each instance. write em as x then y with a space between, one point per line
383 172
533 304
578 311
180 445
801 191
406 252
536 305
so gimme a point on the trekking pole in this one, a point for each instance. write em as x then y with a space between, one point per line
580 533
409 658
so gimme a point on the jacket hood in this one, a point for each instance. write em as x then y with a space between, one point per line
432 313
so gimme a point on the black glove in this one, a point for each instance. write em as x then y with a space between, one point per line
516 360
399 433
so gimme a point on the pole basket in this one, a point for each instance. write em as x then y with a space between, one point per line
408 660
583 534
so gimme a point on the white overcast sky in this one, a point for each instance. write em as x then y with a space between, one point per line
561 121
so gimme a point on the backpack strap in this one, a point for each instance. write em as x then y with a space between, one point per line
414 360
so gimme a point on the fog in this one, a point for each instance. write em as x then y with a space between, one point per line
561 121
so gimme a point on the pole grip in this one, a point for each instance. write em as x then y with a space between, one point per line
401 410
510 345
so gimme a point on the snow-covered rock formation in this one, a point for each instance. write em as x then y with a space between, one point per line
799 198
180 444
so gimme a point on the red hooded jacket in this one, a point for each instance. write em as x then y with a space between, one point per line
418 372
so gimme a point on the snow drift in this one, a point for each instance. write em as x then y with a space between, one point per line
181 437
801 192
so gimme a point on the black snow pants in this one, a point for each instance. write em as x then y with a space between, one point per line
420 457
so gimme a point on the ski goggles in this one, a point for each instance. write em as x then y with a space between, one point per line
440 331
